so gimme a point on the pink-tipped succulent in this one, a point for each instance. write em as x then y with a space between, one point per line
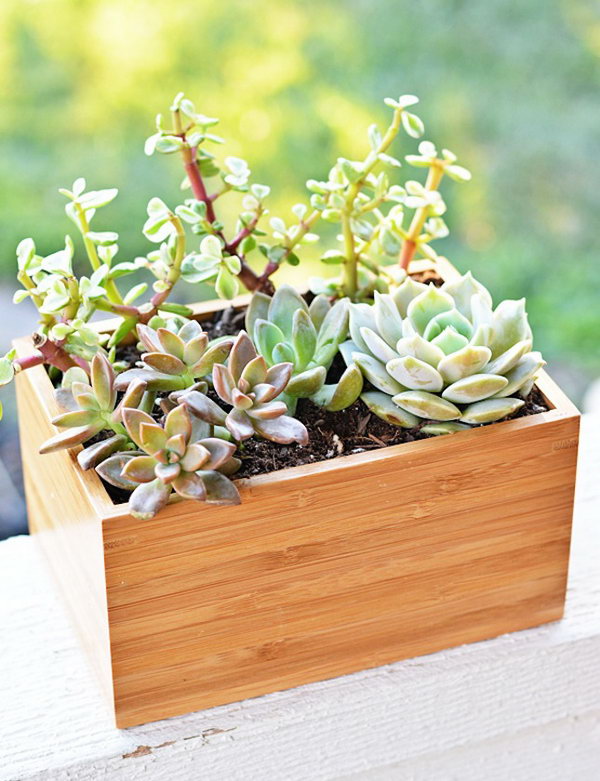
169 460
91 408
175 361
250 388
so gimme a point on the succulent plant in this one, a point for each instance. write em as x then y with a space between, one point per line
250 387
443 354
175 361
170 460
285 328
90 408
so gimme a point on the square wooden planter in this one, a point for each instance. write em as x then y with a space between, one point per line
323 569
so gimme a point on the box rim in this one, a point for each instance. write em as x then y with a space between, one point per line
90 482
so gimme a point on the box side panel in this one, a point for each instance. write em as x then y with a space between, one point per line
63 520
341 570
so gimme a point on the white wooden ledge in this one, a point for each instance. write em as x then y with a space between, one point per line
523 707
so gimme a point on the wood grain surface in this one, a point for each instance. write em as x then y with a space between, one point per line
323 569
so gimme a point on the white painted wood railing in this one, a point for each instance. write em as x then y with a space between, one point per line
524 707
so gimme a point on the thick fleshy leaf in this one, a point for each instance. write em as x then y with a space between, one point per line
149 338
258 309
153 437
79 418
509 359
84 396
111 470
318 309
522 373
220 452
168 472
240 400
65 401
450 319
278 376
376 373
177 444
343 393
346 351
474 388
216 354
304 338
219 490
405 293
91 456
239 425
438 429
283 353
223 382
203 408
103 377
482 335
285 302
133 419
415 374
148 499
462 291
195 349
308 382
490 410
255 371
178 422
377 346
283 429
426 405
510 326
469 360
272 409
70 438
361 316
333 331
74 374
190 330
164 363
155 381
420 348
267 335
381 404
387 318
139 469
427 305
241 354
170 342
134 394
190 486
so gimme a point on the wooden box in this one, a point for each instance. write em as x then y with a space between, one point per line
322 570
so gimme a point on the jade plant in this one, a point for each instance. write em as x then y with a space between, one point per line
443 354
172 416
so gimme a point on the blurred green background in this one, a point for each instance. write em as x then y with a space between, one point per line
510 87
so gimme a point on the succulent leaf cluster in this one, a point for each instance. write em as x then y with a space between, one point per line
170 459
443 354
250 388
285 328
90 406
175 359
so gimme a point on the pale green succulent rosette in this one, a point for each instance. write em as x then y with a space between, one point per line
285 329
442 354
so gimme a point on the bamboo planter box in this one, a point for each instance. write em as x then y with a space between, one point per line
323 569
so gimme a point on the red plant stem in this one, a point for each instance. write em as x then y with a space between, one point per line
28 362
232 246
408 251
52 353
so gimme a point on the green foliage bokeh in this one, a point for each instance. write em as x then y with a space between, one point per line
510 87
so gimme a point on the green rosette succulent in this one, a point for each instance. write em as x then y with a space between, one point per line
170 460
250 388
175 360
285 329
91 407
443 354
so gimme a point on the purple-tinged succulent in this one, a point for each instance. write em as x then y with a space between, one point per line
91 408
175 361
250 388
169 460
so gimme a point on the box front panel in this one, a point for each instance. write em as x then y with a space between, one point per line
443 544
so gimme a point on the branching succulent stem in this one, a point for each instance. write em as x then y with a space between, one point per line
411 243
112 290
